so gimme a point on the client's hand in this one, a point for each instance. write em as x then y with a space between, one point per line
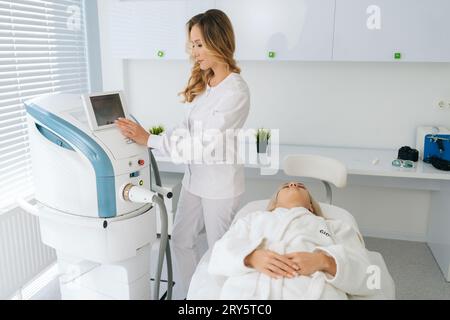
133 131
310 262
271 264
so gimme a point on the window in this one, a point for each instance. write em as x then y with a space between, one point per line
42 50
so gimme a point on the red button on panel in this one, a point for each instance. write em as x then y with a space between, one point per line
141 162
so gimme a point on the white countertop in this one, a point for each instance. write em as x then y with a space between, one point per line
359 161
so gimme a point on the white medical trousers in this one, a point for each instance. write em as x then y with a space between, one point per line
193 215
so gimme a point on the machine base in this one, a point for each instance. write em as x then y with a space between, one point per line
125 280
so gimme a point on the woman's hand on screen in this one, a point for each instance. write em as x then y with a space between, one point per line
133 131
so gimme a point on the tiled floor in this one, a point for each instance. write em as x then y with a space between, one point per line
413 268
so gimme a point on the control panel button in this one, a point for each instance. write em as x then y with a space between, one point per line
141 162
134 174
128 140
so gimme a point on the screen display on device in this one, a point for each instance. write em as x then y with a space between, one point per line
107 108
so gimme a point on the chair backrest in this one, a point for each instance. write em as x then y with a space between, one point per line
328 170
313 166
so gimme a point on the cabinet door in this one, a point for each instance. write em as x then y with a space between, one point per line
148 29
282 29
389 30
195 7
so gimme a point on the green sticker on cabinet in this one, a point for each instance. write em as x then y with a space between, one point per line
397 55
160 53
271 54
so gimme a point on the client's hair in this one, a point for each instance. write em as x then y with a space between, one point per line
314 204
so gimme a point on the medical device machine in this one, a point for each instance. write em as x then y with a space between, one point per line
94 199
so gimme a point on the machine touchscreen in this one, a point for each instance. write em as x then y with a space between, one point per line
103 109
107 109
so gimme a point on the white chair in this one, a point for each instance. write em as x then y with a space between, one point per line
327 170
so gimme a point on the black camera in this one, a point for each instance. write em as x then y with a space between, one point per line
407 153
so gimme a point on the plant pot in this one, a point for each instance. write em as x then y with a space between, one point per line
261 147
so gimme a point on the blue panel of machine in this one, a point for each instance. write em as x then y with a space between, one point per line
104 172
53 138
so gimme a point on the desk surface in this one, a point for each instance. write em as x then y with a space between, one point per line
359 161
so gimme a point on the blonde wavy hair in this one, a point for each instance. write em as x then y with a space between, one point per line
219 41
273 202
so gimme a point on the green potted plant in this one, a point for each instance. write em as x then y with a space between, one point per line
157 130
262 140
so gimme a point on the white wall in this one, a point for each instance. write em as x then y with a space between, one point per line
315 103
375 105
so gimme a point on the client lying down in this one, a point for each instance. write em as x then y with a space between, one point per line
290 252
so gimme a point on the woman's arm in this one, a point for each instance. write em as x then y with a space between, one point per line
237 252
329 264
164 143
230 113
351 260
229 252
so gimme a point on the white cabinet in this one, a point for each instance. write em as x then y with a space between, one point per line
195 7
152 29
281 29
304 30
389 30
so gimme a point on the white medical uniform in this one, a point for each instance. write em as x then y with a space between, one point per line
210 195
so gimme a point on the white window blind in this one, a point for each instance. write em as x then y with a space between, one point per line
42 50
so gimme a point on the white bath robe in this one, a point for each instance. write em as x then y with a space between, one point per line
285 231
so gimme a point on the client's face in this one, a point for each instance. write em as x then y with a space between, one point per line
293 194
